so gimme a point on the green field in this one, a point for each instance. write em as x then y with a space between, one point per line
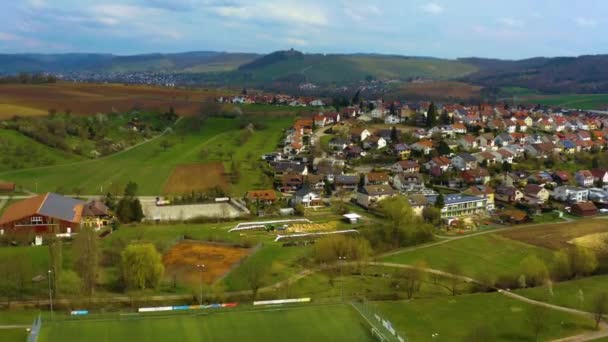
150 165
568 293
575 101
488 254
18 151
302 323
454 319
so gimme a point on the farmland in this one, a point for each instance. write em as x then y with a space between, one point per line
86 99
458 318
196 177
490 253
437 90
150 164
556 236
575 101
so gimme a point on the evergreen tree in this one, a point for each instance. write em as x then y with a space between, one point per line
357 98
440 202
394 135
136 211
445 117
431 116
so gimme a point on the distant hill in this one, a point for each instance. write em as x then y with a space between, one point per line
203 61
584 74
338 68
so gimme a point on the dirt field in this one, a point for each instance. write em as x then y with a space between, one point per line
181 261
440 90
85 98
188 211
196 177
556 236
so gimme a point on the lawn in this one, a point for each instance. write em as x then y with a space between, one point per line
150 164
556 236
455 318
577 294
489 253
299 323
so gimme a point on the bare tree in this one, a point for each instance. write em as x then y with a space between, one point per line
600 308
537 319
254 280
454 269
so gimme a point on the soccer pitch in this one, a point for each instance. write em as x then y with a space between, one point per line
293 323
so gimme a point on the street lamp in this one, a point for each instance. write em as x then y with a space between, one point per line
201 267
50 274
342 259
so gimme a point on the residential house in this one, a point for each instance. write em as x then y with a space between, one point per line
417 202
7 187
568 193
600 175
402 150
405 166
458 205
95 214
508 194
438 165
346 183
485 141
464 161
423 146
377 178
369 195
307 197
561 177
338 143
482 191
359 134
536 193
410 182
282 168
476 176
584 178
468 142
42 215
267 196
290 182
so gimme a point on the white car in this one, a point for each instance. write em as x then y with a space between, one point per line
603 211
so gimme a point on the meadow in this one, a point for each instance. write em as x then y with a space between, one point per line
293 323
484 254
577 294
575 101
151 163
458 318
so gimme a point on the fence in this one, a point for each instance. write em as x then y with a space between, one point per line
381 328
35 330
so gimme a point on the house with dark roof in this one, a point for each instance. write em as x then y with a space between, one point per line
95 214
370 195
42 215
584 209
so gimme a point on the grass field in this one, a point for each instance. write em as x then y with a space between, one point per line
87 98
556 236
576 101
438 90
454 319
150 165
301 323
488 253
19 151
568 293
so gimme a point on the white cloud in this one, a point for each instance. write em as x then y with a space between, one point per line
8 37
297 41
360 13
287 13
432 8
511 22
37 4
585 22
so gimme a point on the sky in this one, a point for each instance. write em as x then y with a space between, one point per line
511 29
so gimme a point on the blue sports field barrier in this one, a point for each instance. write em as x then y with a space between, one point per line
35 330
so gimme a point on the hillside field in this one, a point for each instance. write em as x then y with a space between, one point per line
573 101
150 165
88 98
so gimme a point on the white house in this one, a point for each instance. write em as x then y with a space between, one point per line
570 193
307 197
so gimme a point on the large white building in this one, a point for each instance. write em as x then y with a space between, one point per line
569 193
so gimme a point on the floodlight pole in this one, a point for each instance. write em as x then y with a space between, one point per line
50 274
341 260
201 267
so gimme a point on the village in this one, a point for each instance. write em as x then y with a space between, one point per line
475 164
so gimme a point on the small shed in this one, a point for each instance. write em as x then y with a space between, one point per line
352 218
7 187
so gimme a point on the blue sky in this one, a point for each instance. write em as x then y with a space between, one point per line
448 28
